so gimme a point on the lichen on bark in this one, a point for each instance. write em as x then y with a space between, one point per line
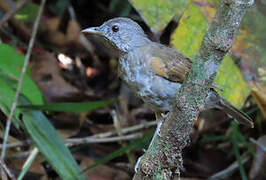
163 158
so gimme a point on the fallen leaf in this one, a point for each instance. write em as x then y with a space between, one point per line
35 168
46 73
50 27
258 92
101 172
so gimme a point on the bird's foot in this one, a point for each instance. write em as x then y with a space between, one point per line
164 115
160 122
137 163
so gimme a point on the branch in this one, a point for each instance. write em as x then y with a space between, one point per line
78 141
163 159
97 138
10 13
19 27
3 165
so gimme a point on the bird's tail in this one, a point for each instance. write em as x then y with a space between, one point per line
240 116
213 100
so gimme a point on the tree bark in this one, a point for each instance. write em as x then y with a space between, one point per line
163 159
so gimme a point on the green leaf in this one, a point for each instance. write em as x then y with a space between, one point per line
215 138
243 140
1 14
11 63
28 13
230 79
158 13
188 36
236 151
58 7
28 163
7 94
121 151
187 40
50 145
41 131
71 107
120 7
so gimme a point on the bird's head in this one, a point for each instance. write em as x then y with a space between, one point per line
123 33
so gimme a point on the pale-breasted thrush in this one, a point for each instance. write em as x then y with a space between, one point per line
153 71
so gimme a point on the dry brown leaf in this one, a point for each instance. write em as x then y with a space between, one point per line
46 73
35 168
102 172
258 92
67 124
50 28
262 75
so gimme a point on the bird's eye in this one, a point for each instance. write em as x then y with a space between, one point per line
115 28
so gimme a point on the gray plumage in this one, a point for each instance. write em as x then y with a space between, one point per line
153 71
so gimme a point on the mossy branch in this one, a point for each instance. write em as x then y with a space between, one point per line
163 159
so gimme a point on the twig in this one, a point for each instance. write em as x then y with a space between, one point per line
257 170
26 62
10 13
86 140
94 138
18 155
163 159
225 174
84 41
117 124
13 37
28 163
77 141
3 165
17 144
126 130
263 148
21 29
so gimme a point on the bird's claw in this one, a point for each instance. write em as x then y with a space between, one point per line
159 124
137 163
164 115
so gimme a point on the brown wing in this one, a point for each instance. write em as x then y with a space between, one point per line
170 64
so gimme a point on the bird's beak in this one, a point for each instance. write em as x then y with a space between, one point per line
92 30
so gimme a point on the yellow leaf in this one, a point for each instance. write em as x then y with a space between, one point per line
259 94
192 26
230 79
158 13
187 39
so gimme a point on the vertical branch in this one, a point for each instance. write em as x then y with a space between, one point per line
163 159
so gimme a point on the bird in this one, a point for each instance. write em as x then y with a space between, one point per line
153 71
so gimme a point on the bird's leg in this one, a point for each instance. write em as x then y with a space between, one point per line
159 118
137 163
160 115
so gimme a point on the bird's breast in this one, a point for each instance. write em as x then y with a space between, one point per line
156 91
